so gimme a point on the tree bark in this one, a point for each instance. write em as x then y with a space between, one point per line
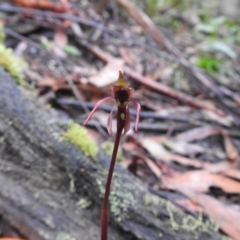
43 179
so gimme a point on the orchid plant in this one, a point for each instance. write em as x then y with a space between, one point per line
121 94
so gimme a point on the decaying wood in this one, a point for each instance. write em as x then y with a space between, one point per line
42 179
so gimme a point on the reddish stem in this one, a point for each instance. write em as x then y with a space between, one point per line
104 213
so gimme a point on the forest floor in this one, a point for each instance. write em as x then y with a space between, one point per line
184 64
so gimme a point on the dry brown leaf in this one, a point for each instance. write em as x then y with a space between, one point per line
60 41
132 147
152 165
219 167
233 173
155 169
200 181
127 56
183 160
214 117
109 74
44 4
197 134
60 38
183 148
53 82
225 168
164 73
231 151
189 205
7 238
225 217
154 148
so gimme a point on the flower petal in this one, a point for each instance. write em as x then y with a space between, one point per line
138 106
96 107
127 121
109 122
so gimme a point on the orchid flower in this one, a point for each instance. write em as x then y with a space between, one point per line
121 93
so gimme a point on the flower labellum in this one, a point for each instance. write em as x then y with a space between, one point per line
121 93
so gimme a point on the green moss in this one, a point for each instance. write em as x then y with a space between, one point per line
2 34
11 63
64 236
191 224
77 135
150 199
121 197
209 64
152 7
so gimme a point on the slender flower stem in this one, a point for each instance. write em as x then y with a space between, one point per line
104 214
121 93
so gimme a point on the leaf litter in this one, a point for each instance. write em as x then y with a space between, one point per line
189 139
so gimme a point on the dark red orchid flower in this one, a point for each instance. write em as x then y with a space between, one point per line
121 93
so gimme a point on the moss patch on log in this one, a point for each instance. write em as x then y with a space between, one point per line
78 136
10 62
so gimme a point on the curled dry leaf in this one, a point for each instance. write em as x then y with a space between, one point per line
184 161
196 134
154 148
151 164
157 150
213 117
53 82
200 181
183 148
108 74
231 151
233 173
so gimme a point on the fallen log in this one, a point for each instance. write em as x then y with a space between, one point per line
44 181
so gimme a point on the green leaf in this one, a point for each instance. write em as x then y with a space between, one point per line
71 50
217 46
209 64
210 26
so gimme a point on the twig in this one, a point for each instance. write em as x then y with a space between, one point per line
127 40
146 81
191 101
65 16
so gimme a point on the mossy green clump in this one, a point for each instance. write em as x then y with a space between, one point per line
209 64
11 63
2 34
78 136
191 224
